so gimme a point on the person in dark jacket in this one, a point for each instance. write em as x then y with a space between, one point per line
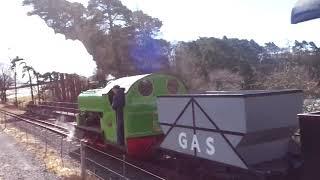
118 104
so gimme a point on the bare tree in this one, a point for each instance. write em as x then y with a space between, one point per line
6 80
28 69
13 67
49 76
38 79
292 77
223 79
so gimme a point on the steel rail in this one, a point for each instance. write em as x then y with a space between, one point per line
37 123
61 104
57 102
72 110
44 122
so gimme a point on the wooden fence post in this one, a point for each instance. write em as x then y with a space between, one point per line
83 159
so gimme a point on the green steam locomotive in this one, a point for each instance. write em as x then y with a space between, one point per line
142 131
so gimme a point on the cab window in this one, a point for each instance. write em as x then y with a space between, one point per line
145 87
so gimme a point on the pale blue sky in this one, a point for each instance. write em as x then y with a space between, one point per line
261 20
183 20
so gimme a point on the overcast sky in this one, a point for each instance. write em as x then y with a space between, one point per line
263 21
30 38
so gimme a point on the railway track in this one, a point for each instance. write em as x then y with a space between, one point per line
59 109
55 110
40 123
61 104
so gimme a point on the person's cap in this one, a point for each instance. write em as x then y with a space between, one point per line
116 87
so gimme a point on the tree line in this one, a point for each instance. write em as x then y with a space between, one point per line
123 42
233 64
60 86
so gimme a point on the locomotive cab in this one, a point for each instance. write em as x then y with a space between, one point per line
142 131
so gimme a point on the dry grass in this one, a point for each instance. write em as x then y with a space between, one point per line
51 159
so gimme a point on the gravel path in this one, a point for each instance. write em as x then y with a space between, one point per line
16 163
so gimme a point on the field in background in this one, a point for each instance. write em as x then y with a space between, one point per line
23 94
